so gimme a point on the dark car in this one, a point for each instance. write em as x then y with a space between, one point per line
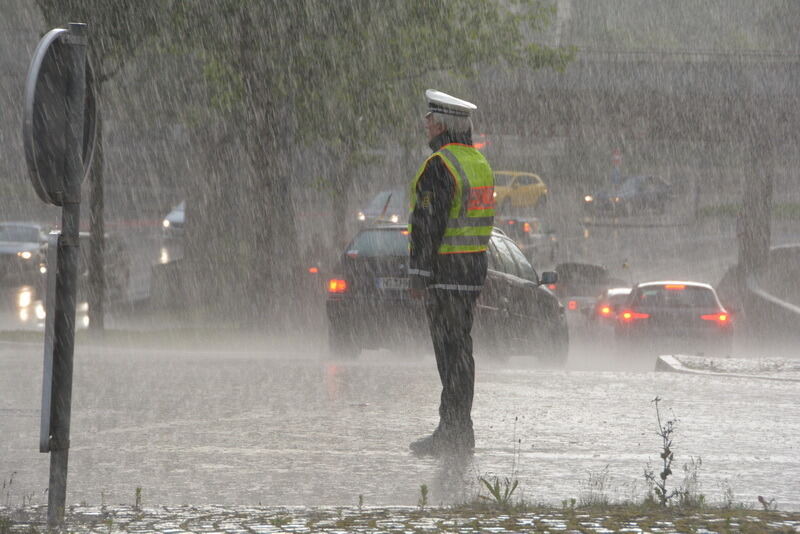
636 194
23 246
607 305
674 316
369 306
579 284
390 206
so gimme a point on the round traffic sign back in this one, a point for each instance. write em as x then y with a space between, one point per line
45 117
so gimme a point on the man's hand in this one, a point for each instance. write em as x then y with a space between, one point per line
417 294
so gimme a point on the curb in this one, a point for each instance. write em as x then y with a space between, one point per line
671 364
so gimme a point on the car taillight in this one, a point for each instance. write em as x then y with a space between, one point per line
572 305
605 311
720 318
629 316
337 286
313 270
551 287
675 287
526 228
511 221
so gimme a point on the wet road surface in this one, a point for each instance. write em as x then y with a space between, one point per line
280 425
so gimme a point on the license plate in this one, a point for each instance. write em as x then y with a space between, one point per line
392 283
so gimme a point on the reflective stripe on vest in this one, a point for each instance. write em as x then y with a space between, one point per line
471 215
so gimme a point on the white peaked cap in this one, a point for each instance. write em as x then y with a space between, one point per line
439 102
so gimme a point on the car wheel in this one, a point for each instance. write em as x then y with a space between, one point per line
341 344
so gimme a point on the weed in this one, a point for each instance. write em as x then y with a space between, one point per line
423 496
659 485
689 495
5 525
7 487
500 492
360 502
769 505
595 494
138 502
568 505
280 520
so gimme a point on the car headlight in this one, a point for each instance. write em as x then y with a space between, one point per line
166 223
494 194
394 218
24 298
616 199
25 254
588 198
361 216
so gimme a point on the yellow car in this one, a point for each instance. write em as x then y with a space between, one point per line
513 190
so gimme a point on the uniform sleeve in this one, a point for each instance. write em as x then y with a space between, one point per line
429 220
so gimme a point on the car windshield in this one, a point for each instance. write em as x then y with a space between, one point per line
19 233
380 242
630 185
675 296
386 202
503 179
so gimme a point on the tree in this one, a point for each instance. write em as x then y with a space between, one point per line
337 77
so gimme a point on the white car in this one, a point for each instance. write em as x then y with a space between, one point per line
172 225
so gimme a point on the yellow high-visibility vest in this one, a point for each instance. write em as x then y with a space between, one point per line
471 217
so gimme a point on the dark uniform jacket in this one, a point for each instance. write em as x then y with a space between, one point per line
427 268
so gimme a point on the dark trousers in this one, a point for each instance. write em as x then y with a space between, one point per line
450 315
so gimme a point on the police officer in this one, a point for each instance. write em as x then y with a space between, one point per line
452 214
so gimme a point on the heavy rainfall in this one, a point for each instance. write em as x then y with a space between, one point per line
246 333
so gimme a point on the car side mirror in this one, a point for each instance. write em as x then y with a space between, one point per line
548 277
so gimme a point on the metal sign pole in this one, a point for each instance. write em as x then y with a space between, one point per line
67 269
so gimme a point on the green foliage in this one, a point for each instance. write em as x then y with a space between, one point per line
350 71
423 496
500 491
659 484
117 28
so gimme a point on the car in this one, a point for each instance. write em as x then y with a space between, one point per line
117 266
579 284
535 241
173 222
636 194
116 261
515 190
388 206
368 304
607 305
674 316
23 246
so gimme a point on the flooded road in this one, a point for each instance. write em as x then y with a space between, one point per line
284 426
